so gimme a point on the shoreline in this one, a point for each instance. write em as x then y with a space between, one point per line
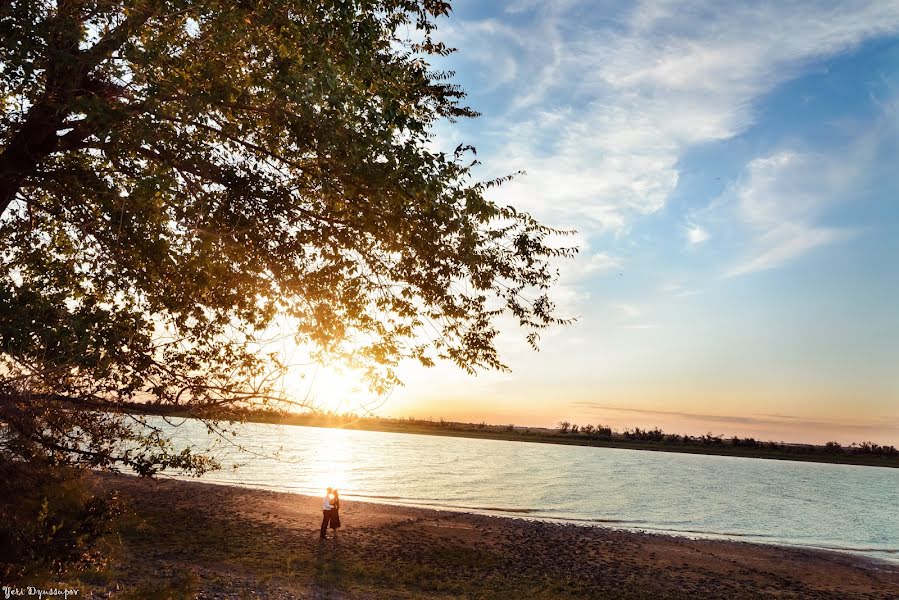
222 541
889 556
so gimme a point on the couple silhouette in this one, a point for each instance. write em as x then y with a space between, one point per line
330 512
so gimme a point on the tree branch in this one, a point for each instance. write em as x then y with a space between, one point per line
113 40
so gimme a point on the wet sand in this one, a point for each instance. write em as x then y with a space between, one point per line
210 541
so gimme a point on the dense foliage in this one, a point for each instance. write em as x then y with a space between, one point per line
53 521
178 178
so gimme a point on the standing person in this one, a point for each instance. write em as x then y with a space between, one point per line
335 514
327 507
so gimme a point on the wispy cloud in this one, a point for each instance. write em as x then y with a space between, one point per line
787 242
605 109
779 198
696 235
761 419
601 262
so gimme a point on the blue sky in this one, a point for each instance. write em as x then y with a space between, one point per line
732 172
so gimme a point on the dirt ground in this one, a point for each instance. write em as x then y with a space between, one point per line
196 540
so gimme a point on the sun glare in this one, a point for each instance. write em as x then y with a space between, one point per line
329 389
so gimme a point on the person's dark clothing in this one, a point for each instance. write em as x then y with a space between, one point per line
335 516
326 520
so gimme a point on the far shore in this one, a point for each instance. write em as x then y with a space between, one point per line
188 539
541 435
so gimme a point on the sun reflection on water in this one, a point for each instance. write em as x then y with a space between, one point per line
331 465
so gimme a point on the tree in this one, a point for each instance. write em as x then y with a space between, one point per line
178 178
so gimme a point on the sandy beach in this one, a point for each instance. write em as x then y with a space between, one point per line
197 540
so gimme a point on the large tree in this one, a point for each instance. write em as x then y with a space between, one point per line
177 176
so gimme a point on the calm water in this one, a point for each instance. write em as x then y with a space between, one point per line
827 506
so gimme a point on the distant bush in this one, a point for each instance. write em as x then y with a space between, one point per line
872 448
744 442
644 435
711 440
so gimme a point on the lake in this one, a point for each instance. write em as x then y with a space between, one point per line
842 507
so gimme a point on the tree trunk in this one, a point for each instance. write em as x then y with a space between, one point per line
35 141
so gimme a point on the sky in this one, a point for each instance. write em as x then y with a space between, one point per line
731 170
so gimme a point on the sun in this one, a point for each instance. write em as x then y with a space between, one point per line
331 389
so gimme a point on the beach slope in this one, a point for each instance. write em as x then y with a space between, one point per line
190 539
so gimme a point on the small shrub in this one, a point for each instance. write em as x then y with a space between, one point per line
54 523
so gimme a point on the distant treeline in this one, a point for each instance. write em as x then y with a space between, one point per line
604 432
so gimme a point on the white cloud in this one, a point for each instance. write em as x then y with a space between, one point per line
788 242
696 235
601 262
604 111
779 198
788 185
